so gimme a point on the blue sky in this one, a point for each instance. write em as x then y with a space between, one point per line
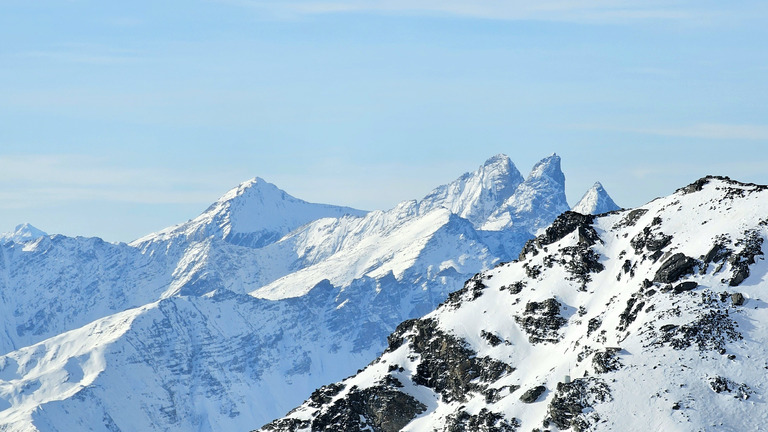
121 118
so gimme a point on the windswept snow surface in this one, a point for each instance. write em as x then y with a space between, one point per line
595 201
227 321
636 320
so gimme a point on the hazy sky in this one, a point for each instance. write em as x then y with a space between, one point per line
120 118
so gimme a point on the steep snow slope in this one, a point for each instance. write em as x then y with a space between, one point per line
54 284
475 196
253 214
595 201
644 319
536 202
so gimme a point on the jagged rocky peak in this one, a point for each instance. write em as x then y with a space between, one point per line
474 196
595 201
22 233
536 202
253 214
640 319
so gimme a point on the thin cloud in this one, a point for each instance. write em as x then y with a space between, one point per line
545 10
709 131
32 180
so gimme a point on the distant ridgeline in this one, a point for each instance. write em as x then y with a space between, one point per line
229 320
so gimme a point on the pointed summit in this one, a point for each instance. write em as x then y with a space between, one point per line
22 233
548 169
253 214
536 202
595 201
474 196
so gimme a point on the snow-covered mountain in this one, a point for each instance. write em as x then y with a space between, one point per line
636 320
230 319
22 233
595 201
536 202
254 214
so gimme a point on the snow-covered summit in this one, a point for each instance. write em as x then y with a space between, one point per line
22 233
536 202
253 214
474 196
595 201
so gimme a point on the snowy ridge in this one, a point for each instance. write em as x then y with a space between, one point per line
253 214
644 319
475 196
595 201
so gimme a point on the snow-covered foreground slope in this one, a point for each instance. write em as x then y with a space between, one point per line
636 320
162 334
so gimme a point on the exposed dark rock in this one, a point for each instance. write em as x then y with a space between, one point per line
593 324
570 401
565 224
751 247
491 338
380 408
532 271
514 288
650 239
667 327
606 361
532 395
286 425
630 313
737 299
697 185
324 394
493 395
580 261
631 218
472 290
484 421
710 331
675 267
685 286
447 365
720 384
542 321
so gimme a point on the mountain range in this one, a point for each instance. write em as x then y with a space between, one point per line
227 321
642 319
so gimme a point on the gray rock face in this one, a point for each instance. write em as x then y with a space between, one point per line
677 266
532 395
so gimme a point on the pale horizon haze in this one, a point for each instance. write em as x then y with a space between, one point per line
119 119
